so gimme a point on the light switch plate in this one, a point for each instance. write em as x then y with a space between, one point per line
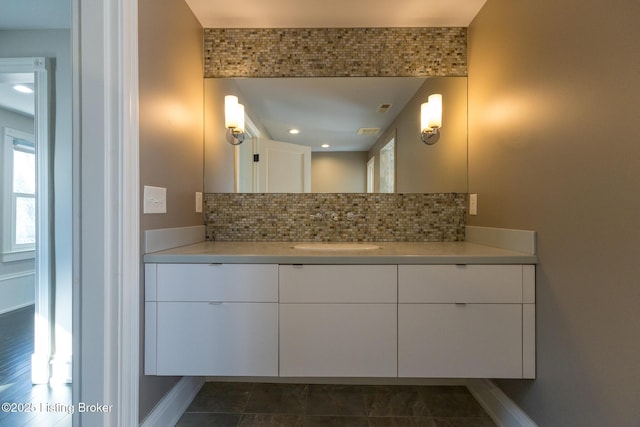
155 200
473 204
198 202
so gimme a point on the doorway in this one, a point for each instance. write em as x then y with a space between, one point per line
35 268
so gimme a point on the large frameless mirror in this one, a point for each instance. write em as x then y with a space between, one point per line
356 134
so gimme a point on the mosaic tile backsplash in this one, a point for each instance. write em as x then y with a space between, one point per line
344 217
335 52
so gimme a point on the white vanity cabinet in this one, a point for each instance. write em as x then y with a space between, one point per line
338 320
211 319
358 321
466 321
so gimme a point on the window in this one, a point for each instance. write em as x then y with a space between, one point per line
19 190
387 167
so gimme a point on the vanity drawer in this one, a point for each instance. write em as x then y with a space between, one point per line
217 282
460 283
338 283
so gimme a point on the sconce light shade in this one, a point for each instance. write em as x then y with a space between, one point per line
234 119
435 111
431 119
230 107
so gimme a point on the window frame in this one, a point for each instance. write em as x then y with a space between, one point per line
371 175
388 167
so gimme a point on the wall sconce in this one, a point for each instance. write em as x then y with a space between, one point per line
431 119
234 120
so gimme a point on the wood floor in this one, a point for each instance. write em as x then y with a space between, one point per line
43 405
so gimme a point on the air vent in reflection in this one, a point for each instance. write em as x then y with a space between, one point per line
368 131
383 108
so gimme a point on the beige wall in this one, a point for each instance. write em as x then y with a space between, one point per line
171 135
339 172
439 168
554 90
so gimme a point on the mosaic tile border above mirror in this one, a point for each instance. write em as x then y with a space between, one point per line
344 217
335 52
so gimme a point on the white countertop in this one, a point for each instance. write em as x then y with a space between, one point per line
389 253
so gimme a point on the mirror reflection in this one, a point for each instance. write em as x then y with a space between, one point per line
336 135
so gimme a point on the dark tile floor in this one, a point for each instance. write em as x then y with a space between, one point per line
310 405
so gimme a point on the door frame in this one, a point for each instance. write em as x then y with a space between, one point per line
106 229
43 319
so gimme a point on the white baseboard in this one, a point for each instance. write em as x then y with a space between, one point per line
16 307
17 290
61 369
503 411
171 407
40 368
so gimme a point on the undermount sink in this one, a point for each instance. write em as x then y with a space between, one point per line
342 246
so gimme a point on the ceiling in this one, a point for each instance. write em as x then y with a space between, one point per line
13 100
334 13
55 14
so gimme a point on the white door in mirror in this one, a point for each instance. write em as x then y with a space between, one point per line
283 167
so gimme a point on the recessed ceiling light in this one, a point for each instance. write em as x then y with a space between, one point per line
325 146
23 88
294 131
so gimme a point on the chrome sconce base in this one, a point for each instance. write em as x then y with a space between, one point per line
234 137
430 136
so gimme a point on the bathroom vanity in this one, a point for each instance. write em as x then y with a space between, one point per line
409 310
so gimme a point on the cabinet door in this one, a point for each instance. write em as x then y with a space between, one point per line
460 340
217 338
338 340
